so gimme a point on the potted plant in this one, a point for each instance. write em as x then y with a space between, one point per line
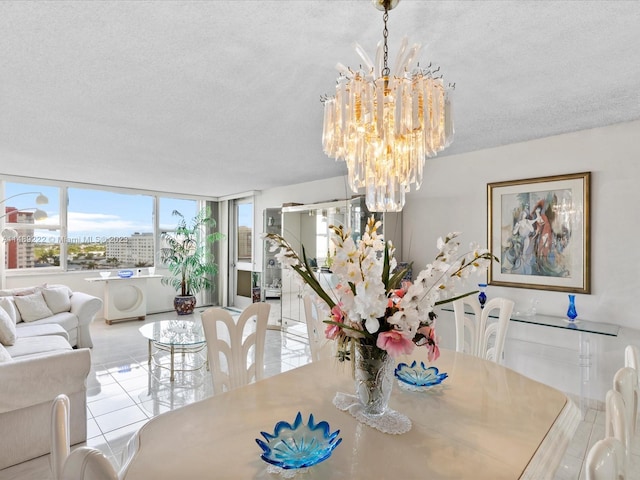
187 255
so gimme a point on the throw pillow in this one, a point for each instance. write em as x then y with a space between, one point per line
7 329
6 303
57 299
32 307
4 355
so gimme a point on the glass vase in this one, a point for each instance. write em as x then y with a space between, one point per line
373 378
482 296
571 312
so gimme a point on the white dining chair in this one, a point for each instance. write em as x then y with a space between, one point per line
83 463
236 356
60 443
318 344
615 421
606 460
632 359
625 381
467 326
492 334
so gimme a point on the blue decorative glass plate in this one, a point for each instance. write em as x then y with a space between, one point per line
125 273
298 445
418 377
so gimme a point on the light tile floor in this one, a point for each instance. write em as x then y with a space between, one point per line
124 392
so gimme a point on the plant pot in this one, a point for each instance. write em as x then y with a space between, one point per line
184 304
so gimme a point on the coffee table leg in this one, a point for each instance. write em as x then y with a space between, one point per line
149 362
172 353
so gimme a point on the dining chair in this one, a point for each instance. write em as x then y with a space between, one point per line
606 460
83 463
87 463
315 330
632 359
60 442
492 334
467 327
625 381
236 357
615 421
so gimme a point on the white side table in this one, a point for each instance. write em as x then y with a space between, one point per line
124 298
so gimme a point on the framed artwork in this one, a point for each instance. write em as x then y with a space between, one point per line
538 228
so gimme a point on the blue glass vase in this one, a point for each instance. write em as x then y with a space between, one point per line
482 297
571 312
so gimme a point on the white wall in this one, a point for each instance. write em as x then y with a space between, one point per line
454 197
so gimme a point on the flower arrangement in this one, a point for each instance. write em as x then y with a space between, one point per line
371 304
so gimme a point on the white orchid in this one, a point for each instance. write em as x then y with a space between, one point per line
369 304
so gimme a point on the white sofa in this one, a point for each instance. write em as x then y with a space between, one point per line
73 311
39 327
33 371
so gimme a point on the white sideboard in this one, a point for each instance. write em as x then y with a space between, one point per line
124 298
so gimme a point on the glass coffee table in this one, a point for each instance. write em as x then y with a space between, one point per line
174 336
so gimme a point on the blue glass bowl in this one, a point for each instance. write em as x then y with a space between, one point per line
298 445
125 273
418 377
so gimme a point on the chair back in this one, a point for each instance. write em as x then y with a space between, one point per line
606 460
83 463
467 327
625 381
87 463
236 357
60 443
615 421
315 330
492 335
632 359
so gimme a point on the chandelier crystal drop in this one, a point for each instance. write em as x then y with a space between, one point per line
384 124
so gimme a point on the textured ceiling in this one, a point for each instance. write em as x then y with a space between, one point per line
220 97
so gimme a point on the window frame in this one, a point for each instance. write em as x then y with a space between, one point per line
62 226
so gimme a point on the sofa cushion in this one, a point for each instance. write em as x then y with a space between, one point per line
13 292
4 355
32 307
66 320
37 329
32 346
7 328
9 306
57 299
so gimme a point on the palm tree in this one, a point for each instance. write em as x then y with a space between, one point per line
187 254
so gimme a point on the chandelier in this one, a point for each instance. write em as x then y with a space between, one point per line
384 124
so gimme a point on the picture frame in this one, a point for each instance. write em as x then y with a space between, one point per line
539 229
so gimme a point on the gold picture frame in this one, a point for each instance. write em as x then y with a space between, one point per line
539 229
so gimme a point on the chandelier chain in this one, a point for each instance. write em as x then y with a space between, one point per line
385 34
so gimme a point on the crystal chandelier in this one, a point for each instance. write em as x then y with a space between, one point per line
384 124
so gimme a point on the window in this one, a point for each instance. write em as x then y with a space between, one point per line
32 228
245 231
79 228
167 221
109 230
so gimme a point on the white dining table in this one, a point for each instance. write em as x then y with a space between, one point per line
483 422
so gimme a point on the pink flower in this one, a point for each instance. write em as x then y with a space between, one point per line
394 343
433 351
333 331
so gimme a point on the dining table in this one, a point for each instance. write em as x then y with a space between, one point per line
484 421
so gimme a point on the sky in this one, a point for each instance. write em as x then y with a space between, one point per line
99 213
